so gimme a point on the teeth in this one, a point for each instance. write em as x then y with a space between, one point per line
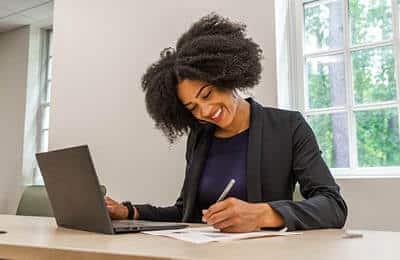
217 114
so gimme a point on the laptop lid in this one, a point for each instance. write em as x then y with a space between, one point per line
74 190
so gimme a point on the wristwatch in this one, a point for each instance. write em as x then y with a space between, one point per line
131 211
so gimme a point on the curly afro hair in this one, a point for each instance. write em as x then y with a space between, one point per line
214 50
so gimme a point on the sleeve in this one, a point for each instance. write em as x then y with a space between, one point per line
172 213
323 206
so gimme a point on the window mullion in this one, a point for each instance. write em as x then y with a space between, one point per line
351 121
328 110
372 106
367 46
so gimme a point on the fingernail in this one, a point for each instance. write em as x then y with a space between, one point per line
204 211
203 219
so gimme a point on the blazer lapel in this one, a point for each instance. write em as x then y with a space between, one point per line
198 161
254 153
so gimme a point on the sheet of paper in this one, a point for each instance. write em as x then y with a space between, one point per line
209 234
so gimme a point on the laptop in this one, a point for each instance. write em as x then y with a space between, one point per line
75 196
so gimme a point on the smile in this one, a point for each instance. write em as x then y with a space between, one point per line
217 115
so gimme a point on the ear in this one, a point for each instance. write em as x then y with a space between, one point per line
235 95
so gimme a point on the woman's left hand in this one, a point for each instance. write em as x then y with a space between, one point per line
237 216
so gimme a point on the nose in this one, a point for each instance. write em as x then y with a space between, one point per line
205 110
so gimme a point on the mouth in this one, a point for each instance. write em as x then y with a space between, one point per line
217 115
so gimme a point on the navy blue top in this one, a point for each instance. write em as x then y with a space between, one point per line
227 159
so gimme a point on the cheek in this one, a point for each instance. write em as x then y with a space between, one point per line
196 115
232 107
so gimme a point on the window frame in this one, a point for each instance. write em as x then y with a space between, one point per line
44 104
296 74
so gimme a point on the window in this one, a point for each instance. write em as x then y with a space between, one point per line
347 63
45 99
44 114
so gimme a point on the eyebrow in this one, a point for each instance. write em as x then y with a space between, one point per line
198 93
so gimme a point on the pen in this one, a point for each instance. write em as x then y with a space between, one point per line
226 190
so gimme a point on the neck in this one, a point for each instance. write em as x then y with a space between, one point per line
240 122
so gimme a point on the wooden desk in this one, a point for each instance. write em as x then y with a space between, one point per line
39 238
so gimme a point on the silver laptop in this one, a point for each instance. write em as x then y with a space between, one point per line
75 196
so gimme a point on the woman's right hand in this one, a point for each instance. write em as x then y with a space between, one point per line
116 210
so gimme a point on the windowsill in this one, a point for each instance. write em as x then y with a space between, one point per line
367 173
365 177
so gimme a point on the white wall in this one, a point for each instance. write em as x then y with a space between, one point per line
101 49
13 78
373 203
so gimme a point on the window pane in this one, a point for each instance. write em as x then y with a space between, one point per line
46 117
51 43
323 25
373 75
44 141
370 20
37 176
325 81
332 135
378 141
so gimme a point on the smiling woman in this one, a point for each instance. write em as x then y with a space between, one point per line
194 90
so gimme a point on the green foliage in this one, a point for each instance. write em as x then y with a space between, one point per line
322 126
373 75
318 84
370 20
378 141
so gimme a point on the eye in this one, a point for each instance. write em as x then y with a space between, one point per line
208 94
192 109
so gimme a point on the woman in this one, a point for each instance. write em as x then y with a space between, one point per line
194 90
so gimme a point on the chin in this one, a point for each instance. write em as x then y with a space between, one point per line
224 125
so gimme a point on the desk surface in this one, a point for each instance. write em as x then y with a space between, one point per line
39 238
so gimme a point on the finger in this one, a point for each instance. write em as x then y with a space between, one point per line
110 199
218 207
220 216
109 203
110 208
226 224
231 229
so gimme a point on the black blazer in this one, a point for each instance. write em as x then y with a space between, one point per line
282 151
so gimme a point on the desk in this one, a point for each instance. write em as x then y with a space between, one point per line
39 238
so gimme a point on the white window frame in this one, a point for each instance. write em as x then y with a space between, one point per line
296 28
45 103
44 88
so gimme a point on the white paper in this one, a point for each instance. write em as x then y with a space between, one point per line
209 234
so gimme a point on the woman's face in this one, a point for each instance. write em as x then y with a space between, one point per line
207 102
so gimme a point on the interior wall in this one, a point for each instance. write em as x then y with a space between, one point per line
13 79
372 202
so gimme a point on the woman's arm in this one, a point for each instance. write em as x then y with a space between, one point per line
171 213
323 206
